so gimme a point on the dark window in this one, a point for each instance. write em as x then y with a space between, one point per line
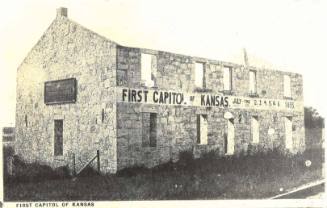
149 129
26 122
225 143
102 115
58 137
153 129
198 129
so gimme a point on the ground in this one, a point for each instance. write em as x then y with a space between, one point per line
246 177
140 188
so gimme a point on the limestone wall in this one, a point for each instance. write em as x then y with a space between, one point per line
176 72
97 122
67 50
176 125
176 131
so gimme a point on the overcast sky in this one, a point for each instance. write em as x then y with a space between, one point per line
289 35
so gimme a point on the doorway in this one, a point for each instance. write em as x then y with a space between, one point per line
58 137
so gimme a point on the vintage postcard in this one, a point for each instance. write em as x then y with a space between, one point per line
124 103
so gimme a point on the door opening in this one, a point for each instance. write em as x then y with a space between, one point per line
58 137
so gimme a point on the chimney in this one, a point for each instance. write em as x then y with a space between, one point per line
62 12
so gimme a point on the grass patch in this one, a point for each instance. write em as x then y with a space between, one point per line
34 172
257 175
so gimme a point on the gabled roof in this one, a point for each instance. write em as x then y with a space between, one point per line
59 19
240 58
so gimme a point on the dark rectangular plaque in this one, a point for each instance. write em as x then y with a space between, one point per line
60 91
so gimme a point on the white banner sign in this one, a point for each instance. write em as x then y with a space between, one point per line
162 97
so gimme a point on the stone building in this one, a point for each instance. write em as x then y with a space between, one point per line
79 92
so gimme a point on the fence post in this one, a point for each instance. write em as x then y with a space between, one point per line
74 165
98 160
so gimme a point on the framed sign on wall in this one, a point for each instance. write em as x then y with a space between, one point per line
60 91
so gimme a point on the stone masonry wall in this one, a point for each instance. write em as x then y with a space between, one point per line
67 50
97 122
176 131
176 72
176 125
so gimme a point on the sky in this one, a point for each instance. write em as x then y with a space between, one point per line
289 35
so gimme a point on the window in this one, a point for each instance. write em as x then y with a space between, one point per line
287 86
102 115
149 129
148 69
199 75
227 78
229 137
153 129
202 129
288 133
255 129
26 121
253 82
58 137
